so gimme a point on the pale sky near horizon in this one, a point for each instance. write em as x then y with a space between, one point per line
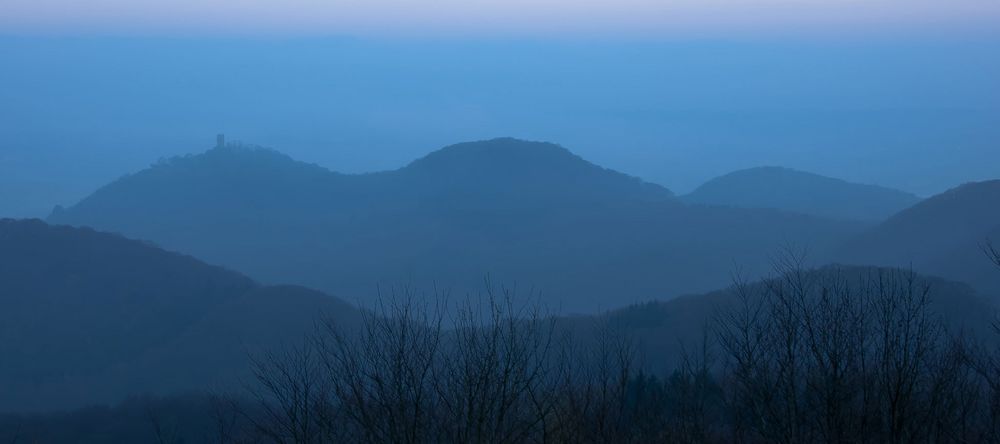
496 17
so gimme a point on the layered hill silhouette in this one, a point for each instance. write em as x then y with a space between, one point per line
942 235
582 236
664 331
802 192
88 317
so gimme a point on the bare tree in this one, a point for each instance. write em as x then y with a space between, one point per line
292 396
812 356
904 338
745 335
494 385
691 398
985 361
829 356
404 378
593 394
229 424
382 377
992 252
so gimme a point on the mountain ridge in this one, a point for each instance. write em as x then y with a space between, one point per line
449 223
942 234
665 330
87 316
799 191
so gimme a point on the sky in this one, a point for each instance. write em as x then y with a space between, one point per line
898 93
559 18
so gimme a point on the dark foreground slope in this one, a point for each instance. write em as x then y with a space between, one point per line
942 235
849 315
802 192
90 317
583 236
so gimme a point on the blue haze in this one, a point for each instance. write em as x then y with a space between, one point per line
922 115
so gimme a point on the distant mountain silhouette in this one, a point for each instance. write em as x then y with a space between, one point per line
90 317
942 235
583 236
505 171
802 192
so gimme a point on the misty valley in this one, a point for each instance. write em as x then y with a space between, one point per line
498 291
